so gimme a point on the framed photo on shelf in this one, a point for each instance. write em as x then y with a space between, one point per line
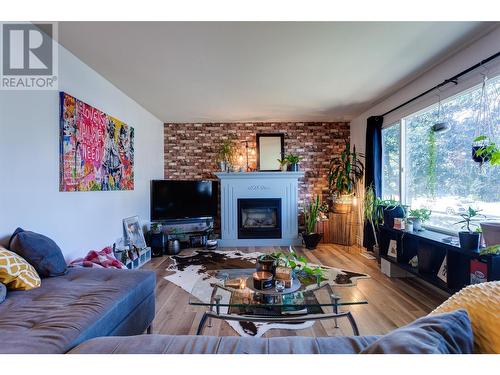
392 251
443 270
133 232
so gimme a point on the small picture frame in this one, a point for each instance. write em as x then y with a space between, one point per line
443 270
133 232
392 251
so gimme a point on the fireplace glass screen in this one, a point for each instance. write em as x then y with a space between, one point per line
259 218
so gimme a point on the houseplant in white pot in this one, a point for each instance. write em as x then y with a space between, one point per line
418 216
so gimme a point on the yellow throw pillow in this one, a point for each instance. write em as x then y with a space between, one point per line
482 302
16 273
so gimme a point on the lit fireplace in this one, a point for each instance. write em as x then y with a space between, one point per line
259 218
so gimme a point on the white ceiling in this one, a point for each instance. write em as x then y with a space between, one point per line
262 71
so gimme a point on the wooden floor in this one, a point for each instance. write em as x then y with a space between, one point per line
392 302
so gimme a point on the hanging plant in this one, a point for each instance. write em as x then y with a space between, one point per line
431 170
482 148
489 152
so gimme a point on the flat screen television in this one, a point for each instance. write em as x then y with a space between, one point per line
175 199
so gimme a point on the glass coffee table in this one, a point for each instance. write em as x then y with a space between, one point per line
229 294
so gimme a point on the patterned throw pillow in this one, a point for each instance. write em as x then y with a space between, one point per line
16 273
482 302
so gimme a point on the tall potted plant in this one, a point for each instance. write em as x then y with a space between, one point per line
344 173
373 214
311 213
469 239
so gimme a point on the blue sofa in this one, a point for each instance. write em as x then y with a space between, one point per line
83 304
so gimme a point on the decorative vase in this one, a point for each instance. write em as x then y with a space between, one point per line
284 168
293 167
173 247
223 166
469 241
311 240
417 224
491 233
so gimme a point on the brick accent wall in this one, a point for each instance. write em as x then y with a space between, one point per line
190 149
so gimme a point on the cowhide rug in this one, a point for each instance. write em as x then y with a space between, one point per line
194 269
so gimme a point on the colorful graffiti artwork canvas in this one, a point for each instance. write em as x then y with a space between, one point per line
96 150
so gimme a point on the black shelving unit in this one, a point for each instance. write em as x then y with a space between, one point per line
431 249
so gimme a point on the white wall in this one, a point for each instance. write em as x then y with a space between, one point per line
29 163
470 55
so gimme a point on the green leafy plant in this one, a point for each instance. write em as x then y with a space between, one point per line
311 212
282 162
372 210
299 265
489 151
226 151
468 217
345 171
490 250
293 159
421 213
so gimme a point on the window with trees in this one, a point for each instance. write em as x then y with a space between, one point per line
438 172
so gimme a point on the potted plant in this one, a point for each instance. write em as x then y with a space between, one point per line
469 239
391 209
486 151
373 214
293 162
283 164
344 173
418 216
311 212
225 154
156 228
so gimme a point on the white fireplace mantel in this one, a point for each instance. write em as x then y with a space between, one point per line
239 185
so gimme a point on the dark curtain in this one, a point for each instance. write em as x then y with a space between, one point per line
373 167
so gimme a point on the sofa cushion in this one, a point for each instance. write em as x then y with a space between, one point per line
16 273
3 292
70 309
165 344
40 251
448 333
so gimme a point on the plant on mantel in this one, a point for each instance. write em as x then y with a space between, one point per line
225 154
344 174
293 162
